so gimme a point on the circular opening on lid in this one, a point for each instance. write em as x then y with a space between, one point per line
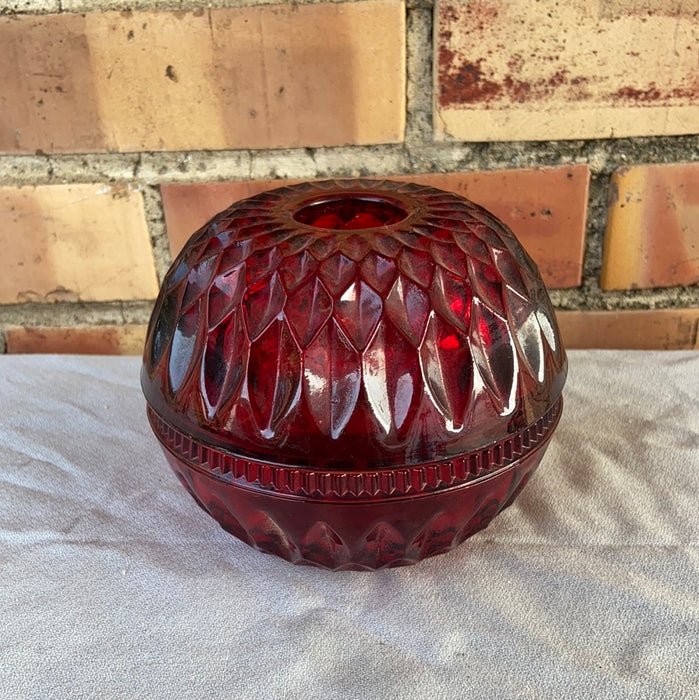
350 212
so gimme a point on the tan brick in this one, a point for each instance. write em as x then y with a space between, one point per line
662 329
74 242
87 340
249 77
567 70
652 236
545 207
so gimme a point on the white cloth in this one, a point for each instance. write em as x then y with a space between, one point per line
114 584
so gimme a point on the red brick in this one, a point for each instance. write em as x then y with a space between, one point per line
546 208
87 340
652 237
523 70
74 243
247 77
662 329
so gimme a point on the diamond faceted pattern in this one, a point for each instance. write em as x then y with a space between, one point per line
452 299
446 366
527 333
354 247
263 304
485 283
274 376
225 294
359 310
450 257
378 271
433 322
494 353
332 379
183 346
337 273
408 306
224 362
392 379
289 370
259 264
198 280
473 246
417 265
235 253
163 329
509 270
296 268
308 309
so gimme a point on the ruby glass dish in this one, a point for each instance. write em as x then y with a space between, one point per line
353 374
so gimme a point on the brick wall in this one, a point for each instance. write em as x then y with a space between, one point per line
126 124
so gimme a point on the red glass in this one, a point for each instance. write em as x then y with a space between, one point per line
353 374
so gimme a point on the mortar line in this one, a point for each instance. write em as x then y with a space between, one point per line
46 7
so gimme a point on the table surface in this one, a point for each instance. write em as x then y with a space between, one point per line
115 584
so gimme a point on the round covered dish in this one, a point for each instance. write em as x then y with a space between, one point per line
353 373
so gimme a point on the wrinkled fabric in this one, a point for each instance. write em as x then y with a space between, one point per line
115 584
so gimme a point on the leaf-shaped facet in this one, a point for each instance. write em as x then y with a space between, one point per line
274 376
417 265
494 353
378 271
224 362
451 298
259 264
176 274
308 309
359 310
485 284
197 280
164 329
225 294
337 272
437 536
258 229
385 244
509 269
447 223
484 226
549 327
407 305
235 253
182 348
300 241
447 369
392 379
269 536
323 246
263 305
331 379
296 269
277 237
434 232
527 333
323 546
384 544
355 247
472 246
450 257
